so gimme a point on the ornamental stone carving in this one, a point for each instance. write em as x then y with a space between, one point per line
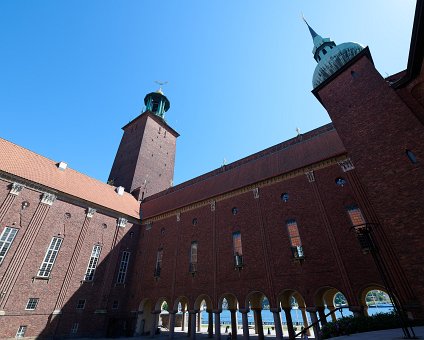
310 175
213 205
48 198
178 217
255 193
346 165
16 188
122 222
90 212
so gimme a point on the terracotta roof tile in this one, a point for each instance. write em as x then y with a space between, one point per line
33 167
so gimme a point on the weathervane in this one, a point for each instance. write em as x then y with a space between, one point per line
161 83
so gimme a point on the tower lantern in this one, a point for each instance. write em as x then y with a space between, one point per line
157 103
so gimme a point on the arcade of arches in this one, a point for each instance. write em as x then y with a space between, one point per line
184 314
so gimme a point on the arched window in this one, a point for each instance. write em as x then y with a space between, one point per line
193 257
295 241
237 250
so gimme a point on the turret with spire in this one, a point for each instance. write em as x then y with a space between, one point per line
329 56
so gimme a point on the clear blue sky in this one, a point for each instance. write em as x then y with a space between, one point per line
74 72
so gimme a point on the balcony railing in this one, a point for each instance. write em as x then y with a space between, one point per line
298 253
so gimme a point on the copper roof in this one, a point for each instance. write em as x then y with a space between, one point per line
23 163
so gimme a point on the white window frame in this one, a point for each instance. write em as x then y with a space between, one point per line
123 267
21 331
92 263
50 257
74 329
32 304
6 239
83 303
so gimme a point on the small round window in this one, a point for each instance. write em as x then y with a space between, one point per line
194 222
340 181
285 197
234 211
411 156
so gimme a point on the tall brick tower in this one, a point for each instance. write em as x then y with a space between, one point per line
382 135
144 163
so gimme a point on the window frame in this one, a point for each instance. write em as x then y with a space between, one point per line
295 239
123 267
20 333
6 241
81 304
92 263
32 303
50 257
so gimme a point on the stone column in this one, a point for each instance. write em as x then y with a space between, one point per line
217 323
192 324
233 323
210 324
183 320
305 320
289 321
277 323
245 322
199 316
333 315
321 314
171 324
258 315
189 324
155 316
357 310
314 320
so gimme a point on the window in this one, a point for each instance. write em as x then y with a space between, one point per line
81 304
6 239
21 331
237 250
324 51
122 273
234 211
74 328
193 257
92 264
115 304
50 257
340 181
194 222
411 156
356 216
295 241
31 304
158 265
285 197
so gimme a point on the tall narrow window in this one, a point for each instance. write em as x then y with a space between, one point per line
92 264
50 257
158 265
6 239
356 216
193 257
295 241
237 250
74 328
123 266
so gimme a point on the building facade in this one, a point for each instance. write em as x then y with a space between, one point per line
337 209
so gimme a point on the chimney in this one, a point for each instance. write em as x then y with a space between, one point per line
120 190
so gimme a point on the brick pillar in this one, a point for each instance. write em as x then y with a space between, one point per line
155 316
321 314
258 315
314 319
171 324
183 319
192 324
305 319
233 323
333 315
245 322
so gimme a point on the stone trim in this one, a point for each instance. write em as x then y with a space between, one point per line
346 165
48 198
16 188
213 205
90 212
310 175
121 222
255 193
237 192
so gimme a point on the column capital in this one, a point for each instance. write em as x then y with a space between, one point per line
244 310
310 176
319 308
311 309
16 188
275 310
178 216
90 212
346 165
217 311
48 198
287 309
121 222
256 309
213 205
356 309
172 312
193 311
255 193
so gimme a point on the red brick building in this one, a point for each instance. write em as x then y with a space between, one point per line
337 209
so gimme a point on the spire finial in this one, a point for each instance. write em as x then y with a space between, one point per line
311 30
160 83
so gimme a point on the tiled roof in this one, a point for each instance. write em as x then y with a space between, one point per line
314 146
28 165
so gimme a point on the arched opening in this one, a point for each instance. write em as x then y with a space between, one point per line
293 312
204 316
229 317
375 299
144 318
260 318
330 299
180 308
